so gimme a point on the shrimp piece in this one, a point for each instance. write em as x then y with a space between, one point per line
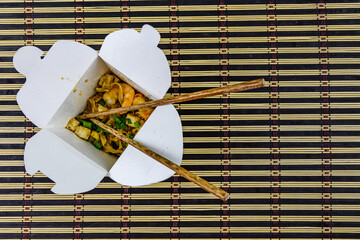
139 98
111 96
144 112
127 98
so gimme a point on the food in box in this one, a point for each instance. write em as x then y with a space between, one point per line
57 88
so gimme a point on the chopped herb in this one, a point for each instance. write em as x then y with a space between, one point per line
94 126
130 136
122 126
86 124
123 144
119 122
102 102
123 117
97 144
137 124
128 121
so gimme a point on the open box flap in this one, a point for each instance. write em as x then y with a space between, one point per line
76 100
136 58
51 79
162 133
62 163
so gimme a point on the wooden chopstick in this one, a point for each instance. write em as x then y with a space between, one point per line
223 195
182 98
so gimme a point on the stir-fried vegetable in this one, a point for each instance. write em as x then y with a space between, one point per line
111 92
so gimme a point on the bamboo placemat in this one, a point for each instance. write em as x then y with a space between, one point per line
288 153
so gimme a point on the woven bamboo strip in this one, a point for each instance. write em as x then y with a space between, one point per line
236 73
259 50
266 128
167 185
191 8
236 29
247 117
152 19
208 173
11 86
149 196
299 150
18 129
306 139
257 61
184 218
7 97
11 163
251 162
12 119
117 230
183 207
308 105
9 108
240 50
348 38
281 84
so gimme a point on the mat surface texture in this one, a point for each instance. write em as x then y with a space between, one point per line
288 153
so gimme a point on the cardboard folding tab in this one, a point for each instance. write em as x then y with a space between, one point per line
57 88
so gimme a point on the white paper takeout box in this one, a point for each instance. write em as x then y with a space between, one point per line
57 88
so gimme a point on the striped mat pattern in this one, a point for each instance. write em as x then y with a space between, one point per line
287 153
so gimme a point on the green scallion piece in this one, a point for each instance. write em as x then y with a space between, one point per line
97 144
86 124
117 120
128 121
122 126
137 124
130 136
